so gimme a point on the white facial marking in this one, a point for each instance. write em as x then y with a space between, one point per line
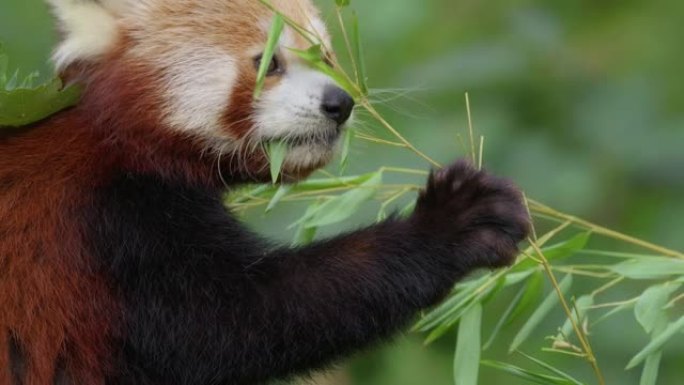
287 39
90 30
302 157
198 78
293 107
119 6
292 110
199 83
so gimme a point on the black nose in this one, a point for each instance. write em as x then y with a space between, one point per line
337 104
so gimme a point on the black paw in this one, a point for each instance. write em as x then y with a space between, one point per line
484 217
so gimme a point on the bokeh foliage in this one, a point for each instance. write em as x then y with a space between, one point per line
23 102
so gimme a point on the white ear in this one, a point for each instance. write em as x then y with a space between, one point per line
89 26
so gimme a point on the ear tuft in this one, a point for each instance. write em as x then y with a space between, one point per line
89 26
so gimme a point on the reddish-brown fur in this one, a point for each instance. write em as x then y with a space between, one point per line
56 302
237 118
54 299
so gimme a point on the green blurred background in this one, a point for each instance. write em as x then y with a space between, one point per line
581 102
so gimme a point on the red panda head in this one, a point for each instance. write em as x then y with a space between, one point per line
189 67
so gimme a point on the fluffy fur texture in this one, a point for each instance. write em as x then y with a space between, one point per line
119 265
195 61
90 31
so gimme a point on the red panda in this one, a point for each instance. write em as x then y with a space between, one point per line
119 263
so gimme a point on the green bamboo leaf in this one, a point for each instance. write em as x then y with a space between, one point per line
533 292
657 343
346 144
442 329
11 83
614 311
649 374
331 183
582 306
269 51
344 206
537 378
617 254
540 313
567 248
342 3
29 80
21 107
276 152
504 317
650 268
559 250
283 190
649 307
310 185
552 369
515 278
245 194
309 36
360 59
467 358
22 104
305 235
314 56
494 290
448 308
407 210
454 317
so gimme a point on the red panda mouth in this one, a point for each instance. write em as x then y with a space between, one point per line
324 138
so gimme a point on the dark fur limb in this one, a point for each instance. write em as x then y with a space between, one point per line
210 303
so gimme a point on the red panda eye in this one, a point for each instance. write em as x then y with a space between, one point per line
273 67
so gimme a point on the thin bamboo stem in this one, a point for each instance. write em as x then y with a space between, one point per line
581 336
544 209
